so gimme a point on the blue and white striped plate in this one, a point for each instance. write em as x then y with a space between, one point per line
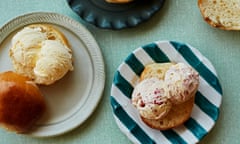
208 98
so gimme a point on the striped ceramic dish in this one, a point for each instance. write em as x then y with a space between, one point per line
208 98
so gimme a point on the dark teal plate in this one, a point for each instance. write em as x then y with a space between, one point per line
115 16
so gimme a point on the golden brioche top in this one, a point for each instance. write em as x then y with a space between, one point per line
21 102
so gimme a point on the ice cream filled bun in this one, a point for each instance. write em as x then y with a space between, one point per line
165 94
42 53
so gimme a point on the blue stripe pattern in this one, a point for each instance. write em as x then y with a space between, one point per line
130 123
159 56
195 128
156 54
210 109
135 64
173 137
193 60
124 86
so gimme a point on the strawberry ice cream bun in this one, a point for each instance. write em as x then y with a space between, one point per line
182 82
149 97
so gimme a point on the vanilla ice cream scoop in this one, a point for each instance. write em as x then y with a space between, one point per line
149 97
182 82
53 63
40 52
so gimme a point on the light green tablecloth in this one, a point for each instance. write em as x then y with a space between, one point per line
179 20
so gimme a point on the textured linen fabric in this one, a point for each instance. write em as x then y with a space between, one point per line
179 20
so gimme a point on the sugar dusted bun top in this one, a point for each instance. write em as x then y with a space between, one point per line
21 102
42 53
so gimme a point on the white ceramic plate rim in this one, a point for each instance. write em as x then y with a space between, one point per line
98 77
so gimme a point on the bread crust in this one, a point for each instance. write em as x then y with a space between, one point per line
177 115
21 102
155 70
213 19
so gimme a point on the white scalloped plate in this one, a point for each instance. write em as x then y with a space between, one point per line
71 100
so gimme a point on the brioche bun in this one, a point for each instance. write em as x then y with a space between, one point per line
179 113
42 53
21 102
175 117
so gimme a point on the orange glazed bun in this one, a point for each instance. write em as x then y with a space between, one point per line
21 102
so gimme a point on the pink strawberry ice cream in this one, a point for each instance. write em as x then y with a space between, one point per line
182 82
149 97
